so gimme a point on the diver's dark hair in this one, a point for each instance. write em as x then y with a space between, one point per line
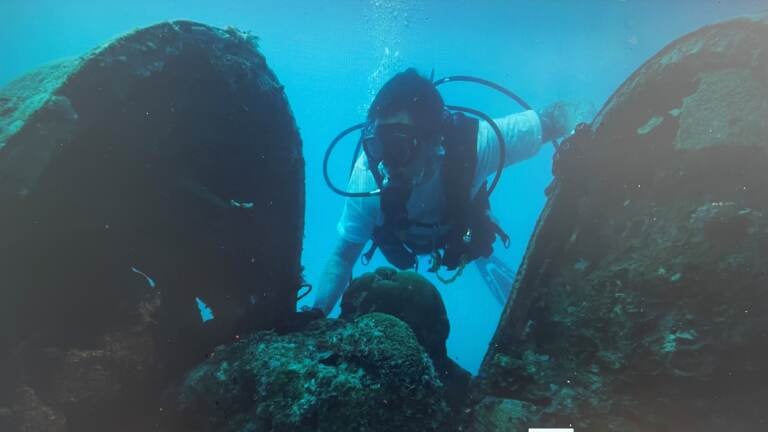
413 93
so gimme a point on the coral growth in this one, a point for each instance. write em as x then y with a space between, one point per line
370 374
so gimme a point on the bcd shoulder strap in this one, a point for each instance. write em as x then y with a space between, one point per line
460 144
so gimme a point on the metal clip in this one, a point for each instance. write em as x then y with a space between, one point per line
467 237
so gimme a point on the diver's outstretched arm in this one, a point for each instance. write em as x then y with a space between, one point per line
522 140
525 132
336 274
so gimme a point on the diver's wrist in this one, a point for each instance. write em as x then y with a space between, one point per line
548 128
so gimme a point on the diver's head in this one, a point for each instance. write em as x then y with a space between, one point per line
406 117
412 95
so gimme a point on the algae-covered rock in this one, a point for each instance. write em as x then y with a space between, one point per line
367 375
495 414
406 295
161 168
641 303
412 298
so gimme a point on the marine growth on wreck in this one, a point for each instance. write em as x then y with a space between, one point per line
641 301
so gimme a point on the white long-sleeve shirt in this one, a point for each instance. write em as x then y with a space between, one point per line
522 137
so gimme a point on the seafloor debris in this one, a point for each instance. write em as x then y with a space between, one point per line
370 374
666 328
129 157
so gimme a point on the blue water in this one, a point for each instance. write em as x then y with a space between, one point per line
333 56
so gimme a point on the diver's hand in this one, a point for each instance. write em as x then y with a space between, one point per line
560 118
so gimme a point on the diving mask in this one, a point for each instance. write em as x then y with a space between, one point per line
394 144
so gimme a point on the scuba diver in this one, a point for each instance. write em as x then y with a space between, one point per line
419 186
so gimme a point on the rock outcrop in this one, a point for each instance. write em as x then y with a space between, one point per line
370 374
642 301
158 170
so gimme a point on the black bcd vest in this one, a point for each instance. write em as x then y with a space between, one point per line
471 230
